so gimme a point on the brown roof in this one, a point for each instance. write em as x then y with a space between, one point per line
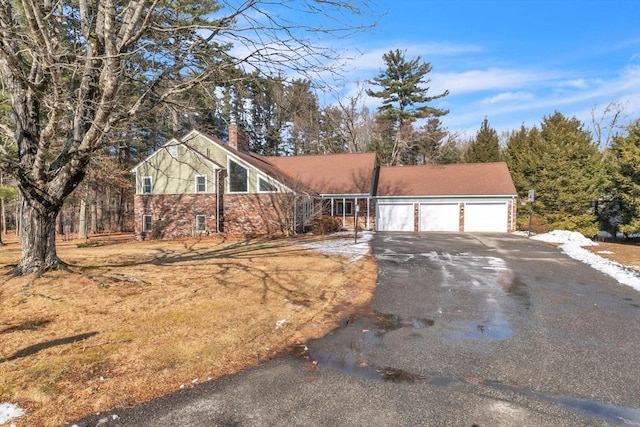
470 179
347 173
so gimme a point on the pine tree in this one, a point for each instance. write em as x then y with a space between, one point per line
485 147
563 165
624 185
404 97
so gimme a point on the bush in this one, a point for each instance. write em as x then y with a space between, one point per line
538 226
325 224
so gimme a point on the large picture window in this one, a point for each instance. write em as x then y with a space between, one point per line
147 186
238 178
201 184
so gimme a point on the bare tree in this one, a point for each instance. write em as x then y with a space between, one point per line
607 124
77 69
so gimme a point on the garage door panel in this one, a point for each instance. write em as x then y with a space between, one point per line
486 217
395 217
439 217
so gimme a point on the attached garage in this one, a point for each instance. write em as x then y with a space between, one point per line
395 217
486 217
467 197
439 217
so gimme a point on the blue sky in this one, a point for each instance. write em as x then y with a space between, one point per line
512 61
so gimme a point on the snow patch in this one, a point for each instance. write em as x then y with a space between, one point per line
572 244
565 236
611 268
9 411
343 246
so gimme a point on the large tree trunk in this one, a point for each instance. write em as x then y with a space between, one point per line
82 221
38 238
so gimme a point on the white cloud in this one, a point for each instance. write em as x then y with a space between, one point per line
576 83
490 79
508 97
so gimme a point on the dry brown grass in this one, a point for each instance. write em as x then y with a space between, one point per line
135 320
623 253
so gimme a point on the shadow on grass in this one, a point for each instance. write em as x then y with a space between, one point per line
29 325
244 249
33 349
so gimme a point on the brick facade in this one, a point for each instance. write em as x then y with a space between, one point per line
511 220
174 215
260 214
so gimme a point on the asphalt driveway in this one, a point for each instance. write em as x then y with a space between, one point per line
463 330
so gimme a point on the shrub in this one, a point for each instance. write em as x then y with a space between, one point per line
325 224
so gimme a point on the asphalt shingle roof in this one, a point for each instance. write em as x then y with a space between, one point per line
462 179
346 173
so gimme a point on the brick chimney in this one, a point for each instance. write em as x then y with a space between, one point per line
238 138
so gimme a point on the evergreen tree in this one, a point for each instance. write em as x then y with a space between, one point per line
563 165
624 185
485 147
404 98
428 146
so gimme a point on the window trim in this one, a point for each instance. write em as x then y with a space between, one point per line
204 224
266 181
146 229
229 161
195 179
344 207
150 178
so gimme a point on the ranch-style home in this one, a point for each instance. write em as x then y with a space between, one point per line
203 185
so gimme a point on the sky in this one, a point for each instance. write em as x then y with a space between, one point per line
511 61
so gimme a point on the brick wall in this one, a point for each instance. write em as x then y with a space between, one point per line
513 210
259 214
174 215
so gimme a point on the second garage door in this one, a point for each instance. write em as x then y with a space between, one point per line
488 217
439 217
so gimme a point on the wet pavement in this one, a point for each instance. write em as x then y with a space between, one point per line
462 330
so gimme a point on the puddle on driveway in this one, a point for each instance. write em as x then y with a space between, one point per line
371 327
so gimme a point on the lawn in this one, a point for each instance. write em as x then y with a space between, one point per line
130 321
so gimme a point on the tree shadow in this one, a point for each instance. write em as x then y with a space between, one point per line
29 325
244 249
33 349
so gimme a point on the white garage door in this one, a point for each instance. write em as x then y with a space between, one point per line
490 217
395 217
440 217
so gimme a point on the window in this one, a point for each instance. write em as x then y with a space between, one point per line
147 187
344 208
238 175
201 223
146 223
173 151
265 186
201 184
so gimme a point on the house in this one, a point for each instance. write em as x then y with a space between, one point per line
203 185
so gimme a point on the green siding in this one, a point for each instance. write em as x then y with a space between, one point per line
176 175
221 156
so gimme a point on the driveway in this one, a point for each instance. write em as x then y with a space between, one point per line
463 330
